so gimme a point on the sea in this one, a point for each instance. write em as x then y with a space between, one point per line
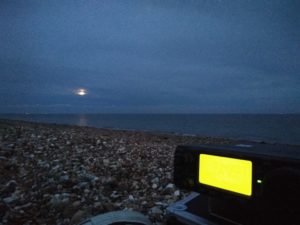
269 128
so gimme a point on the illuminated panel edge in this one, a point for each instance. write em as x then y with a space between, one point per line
226 173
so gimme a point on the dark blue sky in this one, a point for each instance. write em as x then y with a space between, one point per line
204 56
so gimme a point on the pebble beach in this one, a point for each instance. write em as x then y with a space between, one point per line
62 174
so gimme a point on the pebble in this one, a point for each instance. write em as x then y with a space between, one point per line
155 180
10 200
64 178
59 201
62 174
78 216
9 188
154 186
106 162
156 211
170 186
3 158
115 195
131 198
177 193
76 204
98 206
161 204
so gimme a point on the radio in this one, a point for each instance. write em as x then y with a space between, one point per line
248 184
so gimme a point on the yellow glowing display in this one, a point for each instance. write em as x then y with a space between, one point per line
226 173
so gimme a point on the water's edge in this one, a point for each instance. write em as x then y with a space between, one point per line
272 128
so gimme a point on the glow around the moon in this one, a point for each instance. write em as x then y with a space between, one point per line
81 91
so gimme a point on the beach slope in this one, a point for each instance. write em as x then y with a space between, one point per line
59 174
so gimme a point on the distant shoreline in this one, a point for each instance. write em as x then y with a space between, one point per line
154 133
108 129
257 128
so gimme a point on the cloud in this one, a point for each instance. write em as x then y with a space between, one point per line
198 56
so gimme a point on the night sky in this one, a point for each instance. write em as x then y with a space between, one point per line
204 56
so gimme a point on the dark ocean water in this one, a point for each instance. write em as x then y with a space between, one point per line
256 127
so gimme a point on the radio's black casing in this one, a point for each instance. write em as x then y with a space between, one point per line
277 167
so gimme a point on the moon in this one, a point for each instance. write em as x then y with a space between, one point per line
81 91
